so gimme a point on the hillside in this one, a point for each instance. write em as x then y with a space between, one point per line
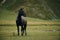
55 6
42 9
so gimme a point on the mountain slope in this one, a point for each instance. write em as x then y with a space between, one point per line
42 9
55 6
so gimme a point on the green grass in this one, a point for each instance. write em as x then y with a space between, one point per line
35 31
7 15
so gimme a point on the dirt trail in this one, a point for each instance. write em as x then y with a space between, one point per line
29 22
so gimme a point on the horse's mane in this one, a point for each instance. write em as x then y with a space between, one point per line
23 18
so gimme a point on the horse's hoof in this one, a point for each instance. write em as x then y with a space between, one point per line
21 34
25 34
18 35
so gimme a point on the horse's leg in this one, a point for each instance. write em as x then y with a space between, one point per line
18 30
22 30
25 29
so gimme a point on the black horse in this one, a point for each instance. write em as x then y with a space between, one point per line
21 21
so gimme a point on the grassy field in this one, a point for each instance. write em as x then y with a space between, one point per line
36 30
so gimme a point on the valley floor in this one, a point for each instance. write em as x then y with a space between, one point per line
43 30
